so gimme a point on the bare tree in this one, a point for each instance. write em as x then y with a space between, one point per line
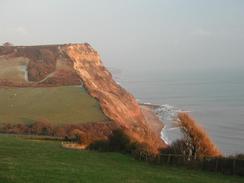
7 44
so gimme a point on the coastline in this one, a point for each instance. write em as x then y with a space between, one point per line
166 115
153 120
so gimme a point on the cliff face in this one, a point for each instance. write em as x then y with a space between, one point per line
116 102
69 65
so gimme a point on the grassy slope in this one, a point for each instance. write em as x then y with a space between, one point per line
10 69
66 104
40 161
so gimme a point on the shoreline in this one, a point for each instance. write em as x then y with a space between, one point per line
166 115
154 121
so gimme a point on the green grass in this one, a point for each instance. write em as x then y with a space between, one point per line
58 105
23 161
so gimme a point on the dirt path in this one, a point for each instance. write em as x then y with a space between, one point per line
48 76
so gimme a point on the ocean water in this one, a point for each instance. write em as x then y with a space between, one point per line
214 98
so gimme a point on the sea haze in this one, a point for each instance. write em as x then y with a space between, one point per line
215 99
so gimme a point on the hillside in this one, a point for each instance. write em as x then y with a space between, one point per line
37 68
58 105
26 161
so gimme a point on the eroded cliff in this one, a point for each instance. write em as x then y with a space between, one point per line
73 64
116 102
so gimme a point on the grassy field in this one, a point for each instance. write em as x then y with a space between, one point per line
23 161
58 105
13 69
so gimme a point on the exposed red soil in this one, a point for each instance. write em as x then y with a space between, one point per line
116 102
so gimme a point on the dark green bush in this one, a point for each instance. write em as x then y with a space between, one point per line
118 141
102 146
178 147
237 156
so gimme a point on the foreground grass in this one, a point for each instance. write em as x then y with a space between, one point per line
24 161
57 104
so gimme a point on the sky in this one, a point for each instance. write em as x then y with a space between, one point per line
162 35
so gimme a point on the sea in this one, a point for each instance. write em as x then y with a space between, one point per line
214 98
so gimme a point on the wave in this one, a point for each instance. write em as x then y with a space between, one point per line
168 114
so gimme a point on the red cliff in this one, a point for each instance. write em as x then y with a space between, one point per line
72 64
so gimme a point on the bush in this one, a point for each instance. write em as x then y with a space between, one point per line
74 135
237 156
41 127
102 146
59 132
197 140
118 141
178 147
140 150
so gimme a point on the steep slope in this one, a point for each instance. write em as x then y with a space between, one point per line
116 102
72 64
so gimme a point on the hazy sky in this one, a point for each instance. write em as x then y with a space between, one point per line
151 34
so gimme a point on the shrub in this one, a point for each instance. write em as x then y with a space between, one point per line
140 150
7 44
59 132
196 138
237 156
118 141
41 127
178 147
101 145
75 135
